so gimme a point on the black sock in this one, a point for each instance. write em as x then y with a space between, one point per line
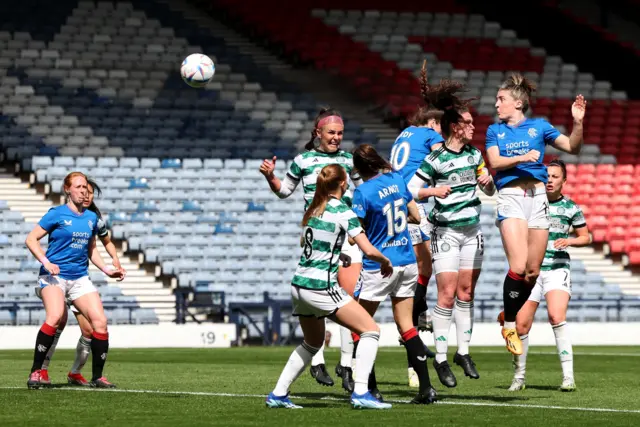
355 345
419 302
44 340
99 350
373 383
418 357
515 294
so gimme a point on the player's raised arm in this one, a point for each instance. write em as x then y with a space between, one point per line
286 187
572 144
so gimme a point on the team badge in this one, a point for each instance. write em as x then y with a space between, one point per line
533 133
561 211
90 224
471 160
445 247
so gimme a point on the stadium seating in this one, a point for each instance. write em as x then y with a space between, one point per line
105 86
381 51
93 86
204 221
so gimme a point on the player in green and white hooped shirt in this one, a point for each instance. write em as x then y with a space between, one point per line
323 149
316 294
457 243
554 282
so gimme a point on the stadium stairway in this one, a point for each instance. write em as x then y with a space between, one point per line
148 292
325 88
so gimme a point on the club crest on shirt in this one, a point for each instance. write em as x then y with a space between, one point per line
90 224
533 133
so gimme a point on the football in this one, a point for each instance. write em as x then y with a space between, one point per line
197 70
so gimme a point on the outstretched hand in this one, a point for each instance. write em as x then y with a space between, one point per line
579 108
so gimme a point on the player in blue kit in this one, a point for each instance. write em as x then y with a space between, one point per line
83 348
385 208
515 149
64 274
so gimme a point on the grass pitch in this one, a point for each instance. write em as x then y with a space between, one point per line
203 387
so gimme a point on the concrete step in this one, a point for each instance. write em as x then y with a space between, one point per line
155 304
157 293
125 285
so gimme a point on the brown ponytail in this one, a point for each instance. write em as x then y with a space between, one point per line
521 89
329 180
368 162
443 97
324 112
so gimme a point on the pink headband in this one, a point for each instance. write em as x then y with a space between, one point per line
329 120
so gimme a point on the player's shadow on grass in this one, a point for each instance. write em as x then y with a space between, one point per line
540 387
331 397
443 396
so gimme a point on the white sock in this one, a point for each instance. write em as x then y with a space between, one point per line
565 350
298 361
346 347
520 362
463 315
441 319
52 349
83 349
318 358
365 358
510 325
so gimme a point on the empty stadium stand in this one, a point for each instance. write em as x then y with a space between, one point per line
94 86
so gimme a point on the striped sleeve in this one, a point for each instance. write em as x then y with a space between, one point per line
295 170
578 220
350 223
426 172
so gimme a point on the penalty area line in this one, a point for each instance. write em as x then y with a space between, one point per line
335 399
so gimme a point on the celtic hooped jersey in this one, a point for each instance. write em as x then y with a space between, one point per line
323 239
563 214
306 166
458 170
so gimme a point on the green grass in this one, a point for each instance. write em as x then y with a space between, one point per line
607 378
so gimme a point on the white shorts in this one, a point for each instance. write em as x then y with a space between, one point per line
318 302
551 280
402 283
73 289
353 251
420 232
455 249
531 205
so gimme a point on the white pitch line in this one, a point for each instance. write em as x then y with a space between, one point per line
543 353
239 395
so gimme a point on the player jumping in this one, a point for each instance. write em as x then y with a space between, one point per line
554 282
515 149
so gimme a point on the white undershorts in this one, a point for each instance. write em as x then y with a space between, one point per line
531 205
353 251
551 280
402 283
318 302
420 232
455 249
73 289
